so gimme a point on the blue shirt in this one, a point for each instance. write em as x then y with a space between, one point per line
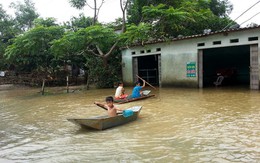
136 92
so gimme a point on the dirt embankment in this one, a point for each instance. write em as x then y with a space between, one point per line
35 81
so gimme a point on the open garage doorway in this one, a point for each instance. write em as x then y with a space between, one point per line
233 63
147 67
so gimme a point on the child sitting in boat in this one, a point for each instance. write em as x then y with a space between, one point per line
111 108
120 91
137 89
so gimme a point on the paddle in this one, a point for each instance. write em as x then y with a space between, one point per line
146 82
102 106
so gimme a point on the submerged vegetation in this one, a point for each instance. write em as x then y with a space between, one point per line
48 50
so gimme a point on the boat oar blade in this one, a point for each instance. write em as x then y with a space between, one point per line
101 106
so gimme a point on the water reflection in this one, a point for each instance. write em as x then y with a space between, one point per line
178 125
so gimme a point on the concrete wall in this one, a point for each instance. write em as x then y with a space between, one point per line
175 57
176 54
127 67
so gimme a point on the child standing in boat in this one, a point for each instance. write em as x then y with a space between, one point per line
111 108
137 89
120 91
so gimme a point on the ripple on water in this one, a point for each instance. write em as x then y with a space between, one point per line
178 125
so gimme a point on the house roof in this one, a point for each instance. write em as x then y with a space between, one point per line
198 35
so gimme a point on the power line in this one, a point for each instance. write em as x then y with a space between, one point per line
242 14
250 18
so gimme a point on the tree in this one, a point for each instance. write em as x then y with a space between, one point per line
7 32
181 17
98 31
202 18
135 8
221 8
166 21
134 11
31 51
137 34
123 6
25 14
80 4
83 44
47 22
69 50
100 41
77 23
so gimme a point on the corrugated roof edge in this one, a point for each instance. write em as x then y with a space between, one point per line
192 36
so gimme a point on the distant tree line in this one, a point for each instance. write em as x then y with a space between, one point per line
31 44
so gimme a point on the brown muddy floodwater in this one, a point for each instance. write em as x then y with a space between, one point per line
178 125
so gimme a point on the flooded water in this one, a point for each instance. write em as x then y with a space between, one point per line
178 125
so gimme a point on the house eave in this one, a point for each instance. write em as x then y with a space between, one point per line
225 32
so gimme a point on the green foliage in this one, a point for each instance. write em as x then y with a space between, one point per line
203 18
47 22
181 17
137 34
7 32
134 12
82 44
31 50
116 25
221 8
46 47
85 39
79 4
135 9
77 23
103 77
103 37
25 14
166 20
70 48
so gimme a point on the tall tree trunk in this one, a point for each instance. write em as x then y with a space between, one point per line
123 8
88 80
105 64
95 12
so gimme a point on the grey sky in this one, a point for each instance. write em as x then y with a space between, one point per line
61 10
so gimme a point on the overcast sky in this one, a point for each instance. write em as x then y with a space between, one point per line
62 11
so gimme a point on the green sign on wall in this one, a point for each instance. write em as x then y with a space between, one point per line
191 69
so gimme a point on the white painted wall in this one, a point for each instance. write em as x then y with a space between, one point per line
176 54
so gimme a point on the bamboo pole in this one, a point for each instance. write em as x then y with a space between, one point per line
146 82
67 84
43 86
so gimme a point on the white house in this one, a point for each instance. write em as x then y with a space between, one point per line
196 61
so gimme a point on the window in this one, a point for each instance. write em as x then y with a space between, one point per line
216 42
234 40
148 51
252 38
133 53
142 51
201 44
158 49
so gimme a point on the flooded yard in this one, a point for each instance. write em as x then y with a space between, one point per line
177 125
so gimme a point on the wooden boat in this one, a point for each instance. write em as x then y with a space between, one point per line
130 99
105 122
122 101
